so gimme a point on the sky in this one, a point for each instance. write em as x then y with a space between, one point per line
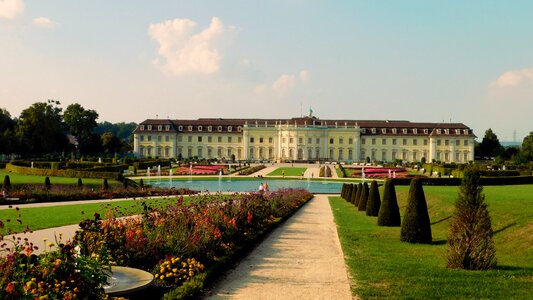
461 61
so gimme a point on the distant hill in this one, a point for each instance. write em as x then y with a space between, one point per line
511 144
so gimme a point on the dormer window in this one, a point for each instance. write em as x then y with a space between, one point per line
373 130
465 131
209 128
415 131
384 130
219 128
200 128
394 130
457 131
404 131
239 129
167 127
159 127
229 128
363 130
149 127
142 127
189 128
426 131
438 131
180 128
446 131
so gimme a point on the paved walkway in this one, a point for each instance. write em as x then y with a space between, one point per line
302 259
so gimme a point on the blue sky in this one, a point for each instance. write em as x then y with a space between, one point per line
426 61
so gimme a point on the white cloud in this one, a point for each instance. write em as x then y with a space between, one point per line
514 78
44 22
284 84
182 50
9 9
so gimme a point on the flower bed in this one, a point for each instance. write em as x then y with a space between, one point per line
203 233
201 170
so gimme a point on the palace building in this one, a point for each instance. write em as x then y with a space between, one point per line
304 139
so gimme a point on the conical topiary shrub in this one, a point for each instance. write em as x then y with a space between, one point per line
7 183
106 185
125 183
354 194
416 227
47 184
80 183
141 183
349 191
373 203
358 194
470 243
389 212
343 191
364 198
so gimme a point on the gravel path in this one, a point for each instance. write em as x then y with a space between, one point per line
302 259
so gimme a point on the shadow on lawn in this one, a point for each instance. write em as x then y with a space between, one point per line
441 220
503 228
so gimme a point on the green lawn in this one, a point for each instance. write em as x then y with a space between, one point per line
46 217
288 171
383 267
19 179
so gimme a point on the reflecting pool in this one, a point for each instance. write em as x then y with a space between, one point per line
225 185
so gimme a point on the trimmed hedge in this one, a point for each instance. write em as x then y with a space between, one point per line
374 201
389 212
62 173
363 198
416 226
252 170
511 180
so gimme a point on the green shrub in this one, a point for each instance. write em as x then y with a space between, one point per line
344 191
47 183
470 243
364 198
106 184
373 203
389 212
358 194
7 183
416 227
80 183
353 194
141 183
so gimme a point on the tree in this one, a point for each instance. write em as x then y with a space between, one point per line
110 143
81 122
416 227
373 204
470 243
7 130
364 198
526 152
389 212
40 130
490 145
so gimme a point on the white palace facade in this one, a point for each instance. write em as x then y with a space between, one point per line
304 139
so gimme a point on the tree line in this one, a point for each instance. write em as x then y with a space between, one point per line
490 148
45 129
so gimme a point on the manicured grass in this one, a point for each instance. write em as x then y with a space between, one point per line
383 267
20 179
289 171
52 216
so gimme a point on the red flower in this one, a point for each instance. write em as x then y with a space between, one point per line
10 288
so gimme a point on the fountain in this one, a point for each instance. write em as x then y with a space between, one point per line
99 160
158 174
363 174
394 174
220 180
190 173
229 173
32 164
389 173
308 182
148 172
170 176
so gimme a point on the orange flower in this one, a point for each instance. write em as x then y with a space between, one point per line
10 288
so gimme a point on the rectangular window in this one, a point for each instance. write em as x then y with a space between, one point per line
457 143
209 139
219 139
300 140
341 141
331 140
239 139
179 138
350 141
415 142
251 140
318 140
438 142
229 139
270 140
149 138
309 140
283 140
261 140
167 138
465 143
189 139
199 139
291 140
373 141
142 137
404 142
446 142
384 141
159 138
394 141
363 141
425 142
